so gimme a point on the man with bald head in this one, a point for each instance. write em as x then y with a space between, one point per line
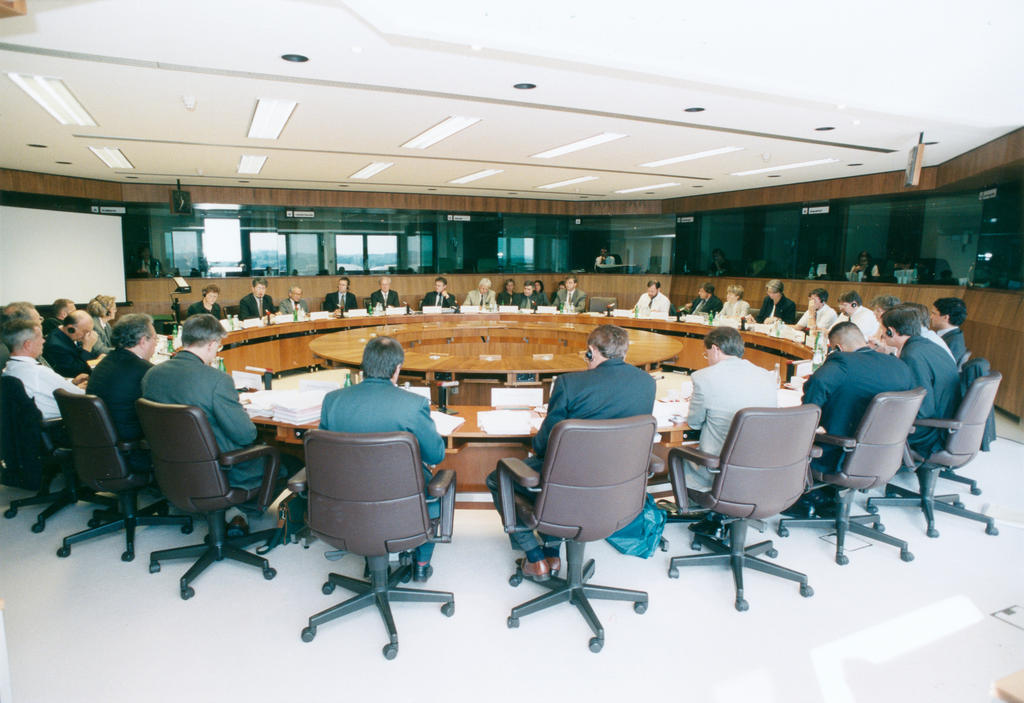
69 348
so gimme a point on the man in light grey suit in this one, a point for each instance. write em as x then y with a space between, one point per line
294 301
572 299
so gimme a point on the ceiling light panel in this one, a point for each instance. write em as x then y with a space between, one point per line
270 117
571 181
111 156
785 167
477 176
597 139
372 170
654 187
440 131
693 157
251 163
54 97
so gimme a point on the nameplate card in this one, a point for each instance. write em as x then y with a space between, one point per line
356 313
432 309
399 310
321 315
654 315
546 310
517 398
282 319
470 309
254 322
248 381
422 391
541 357
759 327
622 313
226 324
727 322
490 357
793 334
508 308
699 319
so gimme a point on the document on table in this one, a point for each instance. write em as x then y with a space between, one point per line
507 422
446 424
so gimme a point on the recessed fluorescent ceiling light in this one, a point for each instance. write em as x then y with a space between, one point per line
215 206
784 167
270 117
442 130
372 170
654 187
478 175
251 163
692 157
54 97
577 146
111 156
571 181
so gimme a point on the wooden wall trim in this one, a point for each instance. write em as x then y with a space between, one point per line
66 186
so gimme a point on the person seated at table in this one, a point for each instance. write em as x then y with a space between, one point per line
529 299
207 304
341 299
62 307
946 316
605 260
864 270
24 338
609 389
880 304
538 287
735 306
257 303
554 295
379 405
843 387
294 302
706 301
719 264
384 296
506 296
571 298
482 296
819 315
439 297
924 317
69 348
653 300
852 309
102 309
775 306
17 310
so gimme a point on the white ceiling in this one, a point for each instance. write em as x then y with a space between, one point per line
768 74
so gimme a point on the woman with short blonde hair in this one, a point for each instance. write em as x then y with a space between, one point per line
735 305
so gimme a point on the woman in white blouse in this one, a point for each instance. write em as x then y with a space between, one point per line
735 305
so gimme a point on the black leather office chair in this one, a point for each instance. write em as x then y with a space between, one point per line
366 497
762 470
101 463
600 303
187 464
870 459
963 442
591 485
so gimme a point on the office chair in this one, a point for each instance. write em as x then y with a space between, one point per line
761 471
963 441
600 303
366 497
100 461
592 484
188 467
870 458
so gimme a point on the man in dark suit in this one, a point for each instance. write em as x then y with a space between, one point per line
385 297
62 307
439 296
609 389
257 303
947 314
342 299
932 369
775 306
69 348
117 380
706 301
529 299
379 405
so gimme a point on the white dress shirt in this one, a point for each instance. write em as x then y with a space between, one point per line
864 319
824 320
658 303
40 382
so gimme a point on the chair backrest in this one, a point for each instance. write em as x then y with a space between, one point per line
972 414
594 476
600 303
763 466
98 461
964 358
881 437
185 454
366 491
21 435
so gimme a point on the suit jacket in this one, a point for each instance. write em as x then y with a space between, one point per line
65 356
954 339
248 309
331 301
612 390
49 325
843 387
935 371
117 380
186 380
287 306
473 297
785 310
719 391
521 301
445 300
103 344
711 305
579 303
377 405
505 298
377 297
197 308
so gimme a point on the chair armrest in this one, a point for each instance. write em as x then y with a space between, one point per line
677 476
271 461
131 445
298 482
438 485
937 422
512 469
520 472
52 434
695 455
846 443
442 486
655 466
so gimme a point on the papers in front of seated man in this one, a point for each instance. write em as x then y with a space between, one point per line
432 309
546 309
516 398
507 422
292 407
446 424
244 379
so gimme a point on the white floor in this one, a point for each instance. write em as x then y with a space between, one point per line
91 628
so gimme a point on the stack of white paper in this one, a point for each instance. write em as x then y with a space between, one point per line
446 424
259 403
670 413
298 407
504 422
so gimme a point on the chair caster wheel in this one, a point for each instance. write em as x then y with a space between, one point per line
906 556
154 567
932 532
673 572
783 531
10 512
975 491
128 555
772 553
187 592
873 509
663 545
640 607
512 622
880 527
63 551
742 605
695 546
38 526
958 505
991 530
448 609
269 573
842 559
515 579
390 651
806 591
308 633
596 644
327 588
94 522
186 529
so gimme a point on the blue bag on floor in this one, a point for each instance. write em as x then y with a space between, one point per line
641 537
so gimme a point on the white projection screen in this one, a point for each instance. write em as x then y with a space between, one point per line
46 254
